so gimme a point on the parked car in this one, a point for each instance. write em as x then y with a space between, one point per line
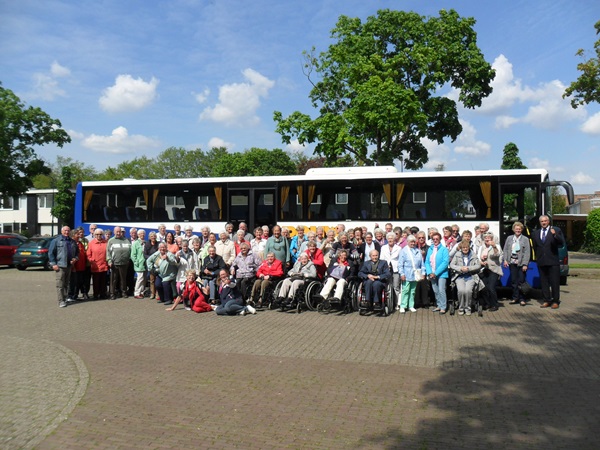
8 244
32 253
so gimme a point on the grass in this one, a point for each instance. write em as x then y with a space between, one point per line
584 266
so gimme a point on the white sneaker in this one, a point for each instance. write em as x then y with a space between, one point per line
242 312
412 310
187 308
250 309
402 310
397 307
468 312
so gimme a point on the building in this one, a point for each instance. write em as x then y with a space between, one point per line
584 203
29 213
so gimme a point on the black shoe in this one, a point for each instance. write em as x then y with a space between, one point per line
493 308
113 297
168 303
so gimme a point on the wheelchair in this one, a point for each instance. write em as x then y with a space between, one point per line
453 303
345 305
384 307
303 298
268 299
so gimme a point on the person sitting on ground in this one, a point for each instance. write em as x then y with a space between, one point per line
211 266
269 272
244 269
231 299
303 269
465 265
193 295
338 273
375 274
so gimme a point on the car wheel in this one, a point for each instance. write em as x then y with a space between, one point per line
20 267
563 280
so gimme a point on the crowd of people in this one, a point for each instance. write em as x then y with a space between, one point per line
230 272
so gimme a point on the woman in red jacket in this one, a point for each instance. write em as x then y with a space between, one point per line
193 295
318 259
96 255
270 271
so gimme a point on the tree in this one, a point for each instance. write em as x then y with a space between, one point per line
378 84
586 88
64 200
21 129
592 232
255 162
511 158
80 171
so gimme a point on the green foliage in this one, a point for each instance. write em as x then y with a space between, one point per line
586 89
511 158
21 129
64 200
592 232
376 94
559 203
255 162
80 171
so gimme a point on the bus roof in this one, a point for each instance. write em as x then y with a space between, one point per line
332 173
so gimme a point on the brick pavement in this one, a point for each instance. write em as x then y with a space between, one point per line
518 378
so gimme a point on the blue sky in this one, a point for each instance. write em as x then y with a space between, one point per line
132 78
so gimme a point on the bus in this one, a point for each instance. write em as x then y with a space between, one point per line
354 196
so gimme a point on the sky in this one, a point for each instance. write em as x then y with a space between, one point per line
133 78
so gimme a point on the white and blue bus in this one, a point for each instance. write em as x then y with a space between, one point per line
355 196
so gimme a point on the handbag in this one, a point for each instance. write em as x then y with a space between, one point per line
418 273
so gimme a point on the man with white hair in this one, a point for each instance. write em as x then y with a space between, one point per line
247 235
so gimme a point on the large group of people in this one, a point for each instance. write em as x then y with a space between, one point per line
230 272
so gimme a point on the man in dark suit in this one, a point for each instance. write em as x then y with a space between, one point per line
375 273
546 242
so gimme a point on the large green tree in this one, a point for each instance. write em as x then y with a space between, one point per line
511 158
586 88
378 92
255 162
64 200
21 129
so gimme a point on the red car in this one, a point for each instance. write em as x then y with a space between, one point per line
8 246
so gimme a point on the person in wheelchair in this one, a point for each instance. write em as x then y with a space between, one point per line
338 273
303 269
267 275
375 274
465 265
244 269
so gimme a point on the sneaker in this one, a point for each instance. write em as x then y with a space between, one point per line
70 299
397 308
242 312
250 302
250 309
187 308
412 310
468 312
213 307
402 310
461 312
62 304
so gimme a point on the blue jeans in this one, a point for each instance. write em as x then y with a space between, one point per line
231 308
517 277
439 289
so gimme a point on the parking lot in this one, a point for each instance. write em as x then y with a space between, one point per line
128 374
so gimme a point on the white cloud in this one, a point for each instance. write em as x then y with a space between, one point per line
202 96
75 134
538 163
438 154
46 84
592 125
128 94
296 146
59 71
238 102
507 90
120 142
552 110
467 144
582 178
505 121
218 142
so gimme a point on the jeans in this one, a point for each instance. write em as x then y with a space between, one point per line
165 289
490 279
439 289
517 277
231 308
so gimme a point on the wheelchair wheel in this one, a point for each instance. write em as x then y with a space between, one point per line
451 307
312 289
390 300
273 300
360 299
480 310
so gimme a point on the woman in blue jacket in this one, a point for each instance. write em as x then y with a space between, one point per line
436 266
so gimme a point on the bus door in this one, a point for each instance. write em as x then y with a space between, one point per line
255 206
